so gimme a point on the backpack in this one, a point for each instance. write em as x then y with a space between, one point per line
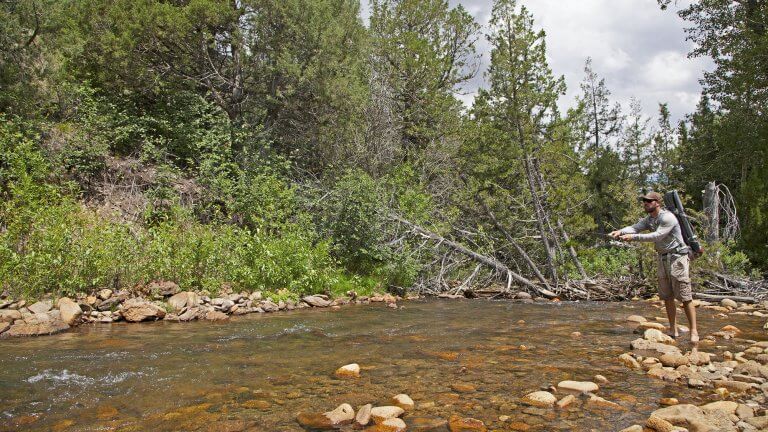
673 204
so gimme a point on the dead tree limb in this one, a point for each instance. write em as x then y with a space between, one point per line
485 260
534 268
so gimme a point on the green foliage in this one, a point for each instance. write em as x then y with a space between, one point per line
353 219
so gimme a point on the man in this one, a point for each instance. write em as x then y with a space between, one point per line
674 281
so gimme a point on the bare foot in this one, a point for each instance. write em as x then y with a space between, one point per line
694 338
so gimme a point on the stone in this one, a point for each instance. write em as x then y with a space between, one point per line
70 311
269 306
363 416
565 401
4 326
636 319
215 316
9 315
745 411
579 386
664 374
403 401
645 345
760 423
642 327
659 424
137 310
629 361
728 407
109 303
576 335
731 329
541 399
654 335
597 401
184 299
379 414
729 303
695 418
191 314
341 415
351 370
734 386
633 428
163 288
316 301
427 424
668 401
388 425
465 424
41 307
36 329
674 359
601 379
752 368
463 388
104 294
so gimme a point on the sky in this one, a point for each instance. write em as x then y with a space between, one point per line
640 50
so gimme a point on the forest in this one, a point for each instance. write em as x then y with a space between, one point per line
290 147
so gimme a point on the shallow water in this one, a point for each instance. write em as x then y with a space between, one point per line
258 371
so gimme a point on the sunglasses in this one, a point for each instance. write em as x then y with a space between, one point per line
646 200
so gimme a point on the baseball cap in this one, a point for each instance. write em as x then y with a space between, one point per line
652 196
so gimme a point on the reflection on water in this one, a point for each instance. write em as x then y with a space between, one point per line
257 372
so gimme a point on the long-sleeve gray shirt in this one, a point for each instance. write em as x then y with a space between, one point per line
665 232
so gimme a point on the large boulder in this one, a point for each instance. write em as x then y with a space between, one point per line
316 301
9 315
655 335
36 328
41 307
137 310
646 345
185 299
696 419
70 311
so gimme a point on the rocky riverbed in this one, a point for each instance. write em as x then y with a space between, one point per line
438 365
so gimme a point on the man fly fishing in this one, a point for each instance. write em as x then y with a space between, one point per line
673 260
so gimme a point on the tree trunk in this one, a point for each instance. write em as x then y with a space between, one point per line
712 212
541 219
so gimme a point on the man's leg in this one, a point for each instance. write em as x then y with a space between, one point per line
690 313
671 316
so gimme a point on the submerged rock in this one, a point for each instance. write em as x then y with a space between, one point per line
343 414
403 401
539 399
579 386
468 424
351 370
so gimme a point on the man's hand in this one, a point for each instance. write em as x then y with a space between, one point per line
625 237
615 234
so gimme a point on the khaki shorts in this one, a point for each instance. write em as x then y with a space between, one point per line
674 280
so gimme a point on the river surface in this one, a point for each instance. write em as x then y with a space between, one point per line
256 372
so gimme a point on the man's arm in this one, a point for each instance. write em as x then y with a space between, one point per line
641 225
666 224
